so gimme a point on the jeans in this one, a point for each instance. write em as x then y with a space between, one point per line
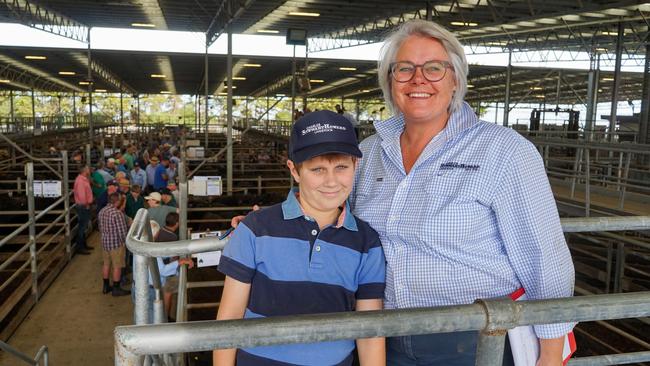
83 219
448 349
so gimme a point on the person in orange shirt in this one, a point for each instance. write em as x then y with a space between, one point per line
83 198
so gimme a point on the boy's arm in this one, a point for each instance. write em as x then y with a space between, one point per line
233 305
372 351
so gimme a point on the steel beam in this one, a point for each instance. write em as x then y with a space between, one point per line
617 80
40 17
644 117
506 104
228 11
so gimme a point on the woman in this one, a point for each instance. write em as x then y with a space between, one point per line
463 207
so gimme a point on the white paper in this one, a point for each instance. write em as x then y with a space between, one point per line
38 188
197 187
213 187
52 188
208 259
206 185
192 143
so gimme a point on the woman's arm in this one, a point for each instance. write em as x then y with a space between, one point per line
372 351
233 305
550 352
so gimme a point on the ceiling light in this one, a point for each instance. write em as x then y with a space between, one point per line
84 83
464 24
365 91
280 95
607 79
605 33
165 92
143 25
348 68
226 86
601 49
272 31
536 88
252 65
100 90
35 57
304 14
316 80
158 76
67 73
4 81
470 85
222 93
238 78
540 96
600 90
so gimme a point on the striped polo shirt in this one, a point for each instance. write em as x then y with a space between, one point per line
295 268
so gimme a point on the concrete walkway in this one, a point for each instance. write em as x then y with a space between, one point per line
73 318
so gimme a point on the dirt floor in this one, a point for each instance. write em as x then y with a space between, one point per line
73 318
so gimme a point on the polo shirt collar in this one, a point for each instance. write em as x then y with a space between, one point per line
291 210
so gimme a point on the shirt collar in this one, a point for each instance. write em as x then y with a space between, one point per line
291 210
463 118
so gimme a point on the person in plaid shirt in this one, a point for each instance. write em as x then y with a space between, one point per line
112 227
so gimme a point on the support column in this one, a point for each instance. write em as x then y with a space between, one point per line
74 109
137 114
293 84
65 190
617 81
12 115
429 11
29 171
207 118
33 112
592 98
557 91
90 92
506 108
644 131
122 113
229 157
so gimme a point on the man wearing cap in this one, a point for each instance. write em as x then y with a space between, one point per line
157 211
308 254
112 227
167 198
151 171
138 176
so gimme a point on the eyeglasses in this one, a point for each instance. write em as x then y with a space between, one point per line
404 71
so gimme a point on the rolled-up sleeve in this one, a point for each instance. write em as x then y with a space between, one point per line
529 225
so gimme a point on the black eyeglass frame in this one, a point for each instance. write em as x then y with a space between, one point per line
446 64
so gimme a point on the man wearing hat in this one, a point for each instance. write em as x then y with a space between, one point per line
167 198
138 176
151 172
156 210
299 256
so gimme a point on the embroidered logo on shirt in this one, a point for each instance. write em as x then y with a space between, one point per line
454 165
320 128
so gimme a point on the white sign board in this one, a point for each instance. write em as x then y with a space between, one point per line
192 143
196 152
205 186
207 259
47 188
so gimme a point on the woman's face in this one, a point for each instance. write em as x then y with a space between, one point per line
420 100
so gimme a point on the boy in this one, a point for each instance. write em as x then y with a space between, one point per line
307 255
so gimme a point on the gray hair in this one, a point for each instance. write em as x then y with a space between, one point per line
454 49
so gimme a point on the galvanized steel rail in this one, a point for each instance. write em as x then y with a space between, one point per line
490 316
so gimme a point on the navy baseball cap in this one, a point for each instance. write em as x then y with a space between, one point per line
322 132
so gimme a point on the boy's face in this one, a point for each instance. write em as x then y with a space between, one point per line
324 184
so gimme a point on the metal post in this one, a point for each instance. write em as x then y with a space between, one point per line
557 90
137 115
587 184
229 156
266 129
29 172
181 302
608 268
121 113
644 131
74 109
12 116
626 174
576 169
293 84
617 80
619 270
506 108
496 112
592 97
33 109
429 11
65 190
90 92
207 96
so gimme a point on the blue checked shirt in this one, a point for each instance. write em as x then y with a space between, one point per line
474 218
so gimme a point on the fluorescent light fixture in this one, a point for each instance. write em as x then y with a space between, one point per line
31 57
606 33
67 73
607 79
280 95
84 83
348 68
470 85
464 24
5 81
271 31
165 92
238 78
143 25
304 14
601 49
536 88
222 93
541 96
600 90
365 91
252 65
234 87
158 76
316 80
100 90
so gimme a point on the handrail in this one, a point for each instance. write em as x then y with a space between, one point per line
132 342
42 352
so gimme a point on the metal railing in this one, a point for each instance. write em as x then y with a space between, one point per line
491 316
36 361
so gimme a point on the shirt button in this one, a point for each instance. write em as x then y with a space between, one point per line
314 232
317 248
